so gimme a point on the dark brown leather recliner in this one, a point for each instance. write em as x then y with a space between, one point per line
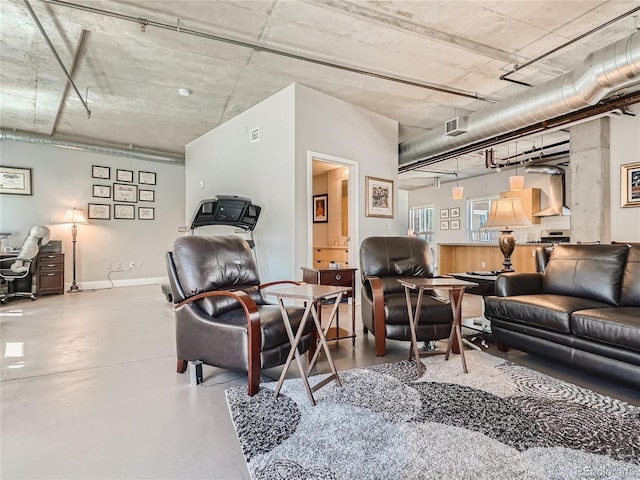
222 318
384 306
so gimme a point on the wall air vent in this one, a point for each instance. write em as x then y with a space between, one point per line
255 135
455 126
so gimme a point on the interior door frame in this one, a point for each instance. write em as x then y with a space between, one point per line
353 196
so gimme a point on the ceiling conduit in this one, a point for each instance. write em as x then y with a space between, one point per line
605 71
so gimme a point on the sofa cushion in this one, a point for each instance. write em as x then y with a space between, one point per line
545 311
630 296
588 271
619 326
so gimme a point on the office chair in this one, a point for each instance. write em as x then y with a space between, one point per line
18 267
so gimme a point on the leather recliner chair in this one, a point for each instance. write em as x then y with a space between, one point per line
384 306
222 318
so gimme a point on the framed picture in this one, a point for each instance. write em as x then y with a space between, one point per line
124 175
101 191
126 212
320 214
454 213
15 180
379 200
100 172
146 195
125 193
444 224
630 185
146 213
146 178
454 224
444 213
99 211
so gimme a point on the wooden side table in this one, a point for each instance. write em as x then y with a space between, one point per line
342 277
310 295
49 272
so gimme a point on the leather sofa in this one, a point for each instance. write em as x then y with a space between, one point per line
583 310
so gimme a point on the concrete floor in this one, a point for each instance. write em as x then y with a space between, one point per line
94 393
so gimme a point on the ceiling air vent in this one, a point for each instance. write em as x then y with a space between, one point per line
455 126
255 135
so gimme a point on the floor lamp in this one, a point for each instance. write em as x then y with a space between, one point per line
506 214
75 217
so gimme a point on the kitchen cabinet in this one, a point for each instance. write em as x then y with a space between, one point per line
323 256
467 257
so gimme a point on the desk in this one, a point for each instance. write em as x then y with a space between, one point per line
341 277
310 295
456 290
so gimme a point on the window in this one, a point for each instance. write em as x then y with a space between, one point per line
477 212
422 222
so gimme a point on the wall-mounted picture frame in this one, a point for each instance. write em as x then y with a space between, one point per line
146 178
630 185
125 193
444 224
379 197
124 175
15 180
98 171
146 195
454 224
124 212
444 213
454 213
320 205
101 191
146 213
99 211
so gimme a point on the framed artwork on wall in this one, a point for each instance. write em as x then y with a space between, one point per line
454 224
101 191
15 180
146 213
146 195
630 185
124 175
125 193
101 172
320 204
454 212
444 213
99 211
444 224
146 178
125 212
379 199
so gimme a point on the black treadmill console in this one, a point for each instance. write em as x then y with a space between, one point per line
229 210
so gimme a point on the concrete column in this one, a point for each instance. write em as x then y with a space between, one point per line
590 184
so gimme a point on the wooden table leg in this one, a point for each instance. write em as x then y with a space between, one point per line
413 324
455 339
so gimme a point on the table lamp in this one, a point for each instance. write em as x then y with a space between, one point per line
506 214
75 217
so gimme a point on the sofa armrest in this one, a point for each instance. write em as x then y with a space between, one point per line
509 284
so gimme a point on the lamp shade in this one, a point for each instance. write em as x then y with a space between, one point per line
457 193
516 182
505 214
74 216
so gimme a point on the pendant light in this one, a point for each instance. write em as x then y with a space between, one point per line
457 191
516 182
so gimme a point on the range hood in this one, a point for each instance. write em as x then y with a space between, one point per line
557 205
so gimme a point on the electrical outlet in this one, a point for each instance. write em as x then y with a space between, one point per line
107 266
139 264
117 266
483 264
132 264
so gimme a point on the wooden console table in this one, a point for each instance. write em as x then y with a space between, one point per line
342 277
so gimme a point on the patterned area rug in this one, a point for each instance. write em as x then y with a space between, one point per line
500 420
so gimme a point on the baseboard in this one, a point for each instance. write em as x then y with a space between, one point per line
125 282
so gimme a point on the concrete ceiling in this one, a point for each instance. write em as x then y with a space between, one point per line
130 75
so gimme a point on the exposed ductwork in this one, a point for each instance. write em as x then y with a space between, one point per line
556 190
607 70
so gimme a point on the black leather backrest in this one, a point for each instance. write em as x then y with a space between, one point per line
223 262
395 257
542 257
631 280
587 271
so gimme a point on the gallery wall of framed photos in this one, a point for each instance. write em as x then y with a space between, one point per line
125 188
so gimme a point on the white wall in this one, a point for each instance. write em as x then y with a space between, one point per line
625 148
61 179
275 172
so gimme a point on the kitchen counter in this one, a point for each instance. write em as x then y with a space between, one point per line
466 257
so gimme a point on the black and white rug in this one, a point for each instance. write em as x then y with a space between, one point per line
500 420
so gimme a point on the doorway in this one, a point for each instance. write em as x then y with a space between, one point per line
333 225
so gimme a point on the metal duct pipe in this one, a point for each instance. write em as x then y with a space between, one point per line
548 169
160 157
609 69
